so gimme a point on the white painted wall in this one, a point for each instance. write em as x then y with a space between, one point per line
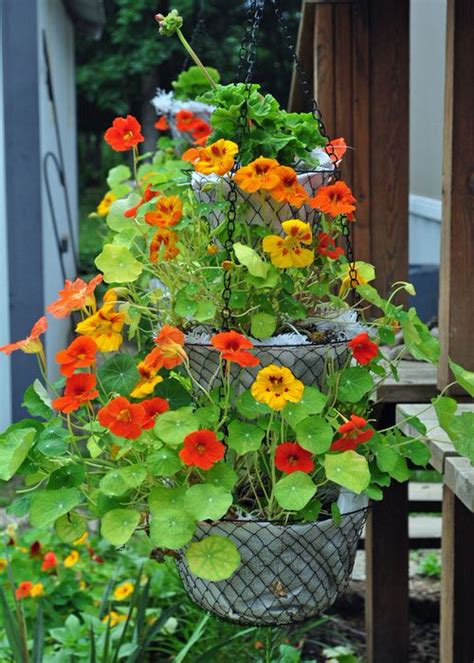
427 68
53 18
5 395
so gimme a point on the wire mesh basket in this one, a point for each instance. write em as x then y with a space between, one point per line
309 362
288 573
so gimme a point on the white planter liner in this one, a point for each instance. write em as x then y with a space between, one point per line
288 573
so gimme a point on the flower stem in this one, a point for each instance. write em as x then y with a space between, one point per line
194 56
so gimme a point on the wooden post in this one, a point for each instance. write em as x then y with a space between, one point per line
456 309
386 549
457 588
360 52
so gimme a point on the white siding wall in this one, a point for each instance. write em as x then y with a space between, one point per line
5 390
60 36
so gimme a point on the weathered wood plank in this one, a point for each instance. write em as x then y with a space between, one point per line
457 581
324 65
304 48
417 384
459 477
456 312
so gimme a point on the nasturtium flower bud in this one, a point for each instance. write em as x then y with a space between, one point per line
170 23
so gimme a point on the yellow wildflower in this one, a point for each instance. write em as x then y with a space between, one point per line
3 564
71 559
37 590
114 618
103 207
123 591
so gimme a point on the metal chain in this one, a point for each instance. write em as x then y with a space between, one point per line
247 56
346 232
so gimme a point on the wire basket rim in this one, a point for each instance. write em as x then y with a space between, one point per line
280 522
311 345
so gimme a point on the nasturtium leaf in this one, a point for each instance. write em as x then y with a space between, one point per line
118 482
461 432
416 451
105 503
172 427
70 527
174 392
118 374
164 462
463 377
37 401
348 469
163 497
116 219
118 525
269 281
390 461
208 416
249 408
374 492
244 437
49 505
311 511
14 448
418 339
205 311
221 474
312 402
53 439
445 409
207 502
213 558
172 528
294 491
336 513
262 325
68 476
354 383
118 264
250 259
93 447
19 506
185 306
314 434
117 177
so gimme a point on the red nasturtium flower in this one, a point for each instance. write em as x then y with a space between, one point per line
23 590
148 195
124 133
123 418
80 353
74 296
80 389
363 349
354 432
153 407
50 561
290 457
334 199
169 351
35 550
167 212
234 347
326 246
162 123
31 344
202 449
185 120
336 149
201 132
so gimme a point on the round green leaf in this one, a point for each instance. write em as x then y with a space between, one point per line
250 259
348 469
118 264
172 528
118 525
262 325
116 219
184 305
14 448
118 482
294 491
313 402
213 558
49 505
249 408
205 311
244 437
354 383
70 527
314 434
207 502
118 374
163 497
53 439
164 463
172 427
221 474
68 476
174 392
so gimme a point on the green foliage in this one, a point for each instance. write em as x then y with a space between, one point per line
192 82
213 558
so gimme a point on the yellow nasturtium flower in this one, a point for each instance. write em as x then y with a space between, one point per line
105 326
37 590
276 386
103 207
71 559
289 251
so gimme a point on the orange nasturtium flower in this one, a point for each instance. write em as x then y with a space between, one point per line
124 133
148 194
334 199
80 389
72 559
105 326
185 120
169 351
201 132
217 158
289 190
259 174
202 449
326 246
23 590
288 251
50 561
167 212
103 207
74 296
162 123
276 386
79 354
163 245
31 344
234 347
123 418
336 148
149 378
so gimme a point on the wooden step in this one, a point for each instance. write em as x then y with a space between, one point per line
424 532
